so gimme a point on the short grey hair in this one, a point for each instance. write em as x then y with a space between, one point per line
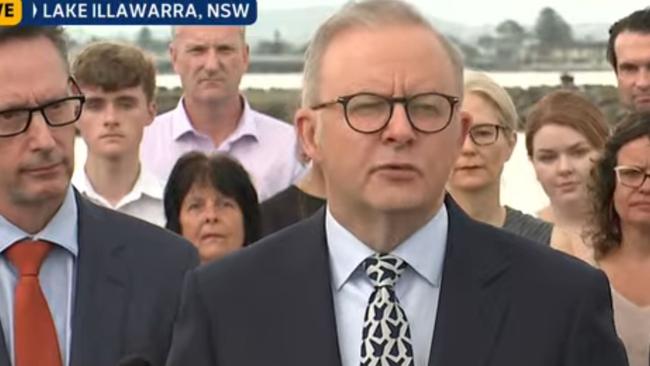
174 29
365 14
482 85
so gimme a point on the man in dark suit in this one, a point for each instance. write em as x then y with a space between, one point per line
79 284
391 272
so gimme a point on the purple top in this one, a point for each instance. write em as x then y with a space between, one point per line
265 146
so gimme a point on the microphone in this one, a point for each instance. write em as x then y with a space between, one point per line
134 360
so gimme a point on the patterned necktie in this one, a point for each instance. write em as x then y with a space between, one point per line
35 339
386 337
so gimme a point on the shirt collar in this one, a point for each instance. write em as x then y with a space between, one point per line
145 185
61 230
424 250
246 126
148 185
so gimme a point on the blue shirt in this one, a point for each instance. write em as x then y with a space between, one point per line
56 276
418 288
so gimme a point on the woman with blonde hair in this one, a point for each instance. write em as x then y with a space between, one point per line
565 133
475 182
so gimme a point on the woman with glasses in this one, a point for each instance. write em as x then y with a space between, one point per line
621 231
565 133
475 182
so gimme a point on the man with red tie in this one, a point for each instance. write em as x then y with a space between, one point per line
79 284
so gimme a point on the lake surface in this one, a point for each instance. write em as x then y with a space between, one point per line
520 189
523 79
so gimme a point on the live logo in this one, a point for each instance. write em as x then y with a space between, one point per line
11 12
7 10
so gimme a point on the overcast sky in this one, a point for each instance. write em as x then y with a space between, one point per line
479 12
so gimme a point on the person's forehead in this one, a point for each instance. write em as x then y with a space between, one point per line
31 70
637 149
413 53
196 34
630 41
558 135
95 91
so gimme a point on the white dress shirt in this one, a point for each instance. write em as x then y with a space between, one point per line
144 201
418 288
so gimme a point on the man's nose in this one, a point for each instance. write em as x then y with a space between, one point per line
211 60
110 114
642 79
399 128
40 133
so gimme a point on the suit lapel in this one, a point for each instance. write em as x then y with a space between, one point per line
4 351
313 332
473 297
101 287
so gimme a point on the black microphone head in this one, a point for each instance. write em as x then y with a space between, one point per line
134 361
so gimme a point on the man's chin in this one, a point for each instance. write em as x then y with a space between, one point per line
642 107
38 197
396 203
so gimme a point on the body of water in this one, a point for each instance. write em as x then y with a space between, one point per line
523 79
520 188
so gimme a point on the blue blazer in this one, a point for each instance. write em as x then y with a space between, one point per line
504 301
129 279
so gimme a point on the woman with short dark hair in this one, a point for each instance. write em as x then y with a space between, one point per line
211 201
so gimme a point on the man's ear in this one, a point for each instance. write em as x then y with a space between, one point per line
246 56
306 122
465 124
151 111
173 54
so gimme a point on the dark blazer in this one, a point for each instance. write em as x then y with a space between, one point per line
128 283
503 301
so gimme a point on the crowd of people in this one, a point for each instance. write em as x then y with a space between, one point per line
368 231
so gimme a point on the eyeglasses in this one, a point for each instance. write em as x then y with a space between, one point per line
485 133
631 176
369 113
57 113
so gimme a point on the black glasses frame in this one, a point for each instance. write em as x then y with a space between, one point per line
344 100
41 108
497 128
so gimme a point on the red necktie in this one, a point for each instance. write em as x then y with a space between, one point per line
35 339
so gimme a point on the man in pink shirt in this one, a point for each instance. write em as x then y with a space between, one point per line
212 115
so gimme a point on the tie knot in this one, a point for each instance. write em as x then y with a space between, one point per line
384 269
28 255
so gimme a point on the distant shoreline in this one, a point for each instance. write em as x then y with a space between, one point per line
279 94
523 79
